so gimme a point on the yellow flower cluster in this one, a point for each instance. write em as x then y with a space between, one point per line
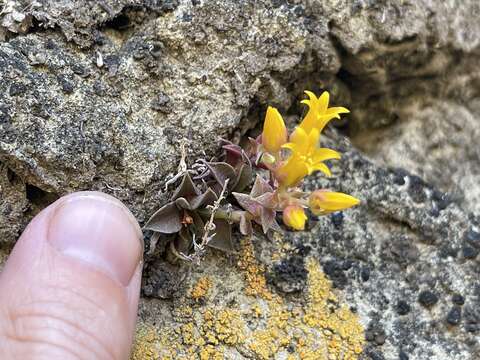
305 157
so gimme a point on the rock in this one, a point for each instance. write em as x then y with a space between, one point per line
403 308
458 299
290 275
454 316
427 298
470 252
101 95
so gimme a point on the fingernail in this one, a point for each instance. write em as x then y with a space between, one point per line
100 231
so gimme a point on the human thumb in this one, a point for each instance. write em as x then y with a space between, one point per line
70 287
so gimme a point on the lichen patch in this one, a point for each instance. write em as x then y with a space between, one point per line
201 288
262 326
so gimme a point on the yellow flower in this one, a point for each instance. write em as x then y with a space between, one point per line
305 147
291 172
322 202
319 114
294 216
274 131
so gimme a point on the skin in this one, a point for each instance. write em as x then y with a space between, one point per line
71 285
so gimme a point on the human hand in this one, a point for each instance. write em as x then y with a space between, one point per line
70 288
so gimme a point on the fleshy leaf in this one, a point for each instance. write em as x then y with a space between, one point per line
245 225
187 188
248 203
221 172
198 225
244 178
166 220
232 148
222 240
267 200
275 227
233 154
207 198
182 203
183 242
267 218
260 187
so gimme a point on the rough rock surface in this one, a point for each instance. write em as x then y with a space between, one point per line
99 95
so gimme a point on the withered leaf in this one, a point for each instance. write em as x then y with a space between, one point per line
222 240
166 220
153 243
198 226
186 189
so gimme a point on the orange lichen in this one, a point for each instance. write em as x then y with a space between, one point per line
201 288
256 284
145 345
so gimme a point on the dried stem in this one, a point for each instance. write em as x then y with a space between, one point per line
210 226
199 248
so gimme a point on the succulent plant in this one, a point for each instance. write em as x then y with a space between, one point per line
190 208
204 207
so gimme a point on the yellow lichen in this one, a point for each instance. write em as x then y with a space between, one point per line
201 288
318 331
256 284
345 336
264 326
210 353
225 326
145 344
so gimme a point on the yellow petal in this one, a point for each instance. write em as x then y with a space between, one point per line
291 172
300 138
323 120
322 202
323 101
323 154
290 145
338 110
294 217
309 120
311 96
313 139
320 167
274 131
319 114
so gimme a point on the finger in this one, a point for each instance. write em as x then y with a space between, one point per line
70 287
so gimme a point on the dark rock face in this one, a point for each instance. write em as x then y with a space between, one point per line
289 275
99 95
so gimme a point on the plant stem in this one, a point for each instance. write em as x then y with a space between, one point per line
229 215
